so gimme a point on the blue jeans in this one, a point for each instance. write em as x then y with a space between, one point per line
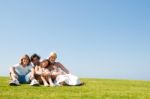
24 78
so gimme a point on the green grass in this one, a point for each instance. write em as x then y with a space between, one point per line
94 89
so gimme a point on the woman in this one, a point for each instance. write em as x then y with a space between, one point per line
60 74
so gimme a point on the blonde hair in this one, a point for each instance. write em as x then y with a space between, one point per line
53 54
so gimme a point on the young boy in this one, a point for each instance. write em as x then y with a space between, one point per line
22 73
35 59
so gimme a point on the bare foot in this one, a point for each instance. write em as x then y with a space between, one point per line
46 84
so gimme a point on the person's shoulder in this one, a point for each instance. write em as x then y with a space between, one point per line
17 65
30 66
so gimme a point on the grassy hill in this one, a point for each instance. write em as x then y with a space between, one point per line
94 89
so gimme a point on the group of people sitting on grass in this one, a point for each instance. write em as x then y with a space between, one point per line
47 72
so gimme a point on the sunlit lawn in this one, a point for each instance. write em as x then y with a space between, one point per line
94 89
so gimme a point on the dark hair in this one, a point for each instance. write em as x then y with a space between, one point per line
35 55
45 60
23 57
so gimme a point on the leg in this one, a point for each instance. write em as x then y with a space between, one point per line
14 78
50 81
30 77
38 78
60 80
32 74
13 73
44 81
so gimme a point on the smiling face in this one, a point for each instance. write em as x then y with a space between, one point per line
52 59
36 61
45 63
25 61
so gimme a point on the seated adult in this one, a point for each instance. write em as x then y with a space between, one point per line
61 74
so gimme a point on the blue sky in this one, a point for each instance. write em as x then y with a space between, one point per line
93 38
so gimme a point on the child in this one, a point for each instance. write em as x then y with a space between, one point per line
22 73
35 59
60 74
44 73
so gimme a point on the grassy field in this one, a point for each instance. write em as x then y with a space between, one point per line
94 89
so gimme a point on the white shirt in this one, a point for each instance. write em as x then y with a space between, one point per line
22 70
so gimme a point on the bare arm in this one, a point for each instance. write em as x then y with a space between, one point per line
32 73
12 70
63 68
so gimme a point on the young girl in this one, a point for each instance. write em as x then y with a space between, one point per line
45 74
22 72
60 74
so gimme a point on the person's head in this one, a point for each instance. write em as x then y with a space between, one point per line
45 63
25 60
52 57
35 59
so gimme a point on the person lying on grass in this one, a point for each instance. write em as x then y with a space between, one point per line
22 73
44 73
60 74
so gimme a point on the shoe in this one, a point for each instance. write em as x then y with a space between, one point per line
52 85
81 84
46 85
14 83
34 82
